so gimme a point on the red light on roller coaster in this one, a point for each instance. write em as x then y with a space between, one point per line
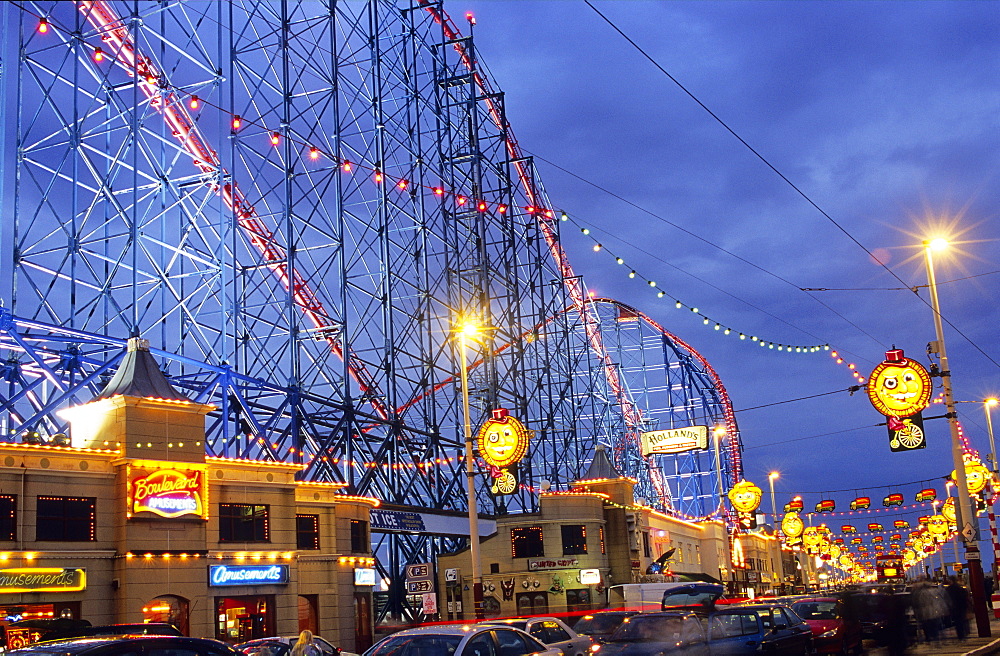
502 209
548 214
438 191
98 54
237 122
378 177
275 138
461 200
402 184
469 17
314 153
346 166
481 206
193 104
529 209
43 25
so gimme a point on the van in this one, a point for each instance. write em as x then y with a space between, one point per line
639 596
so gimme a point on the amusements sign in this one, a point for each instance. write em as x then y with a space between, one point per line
675 440
167 492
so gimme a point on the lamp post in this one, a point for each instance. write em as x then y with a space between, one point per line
469 329
724 572
988 405
963 507
773 476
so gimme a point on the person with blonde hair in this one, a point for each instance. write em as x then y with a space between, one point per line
304 646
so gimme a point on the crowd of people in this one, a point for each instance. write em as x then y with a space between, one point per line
940 610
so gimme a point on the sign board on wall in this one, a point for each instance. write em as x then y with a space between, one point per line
552 563
590 576
675 440
167 491
396 520
364 576
224 575
43 579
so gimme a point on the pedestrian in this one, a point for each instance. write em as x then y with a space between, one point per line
305 646
894 634
930 606
959 598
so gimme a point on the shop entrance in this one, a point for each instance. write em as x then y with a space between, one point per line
239 619
24 624
169 609
362 621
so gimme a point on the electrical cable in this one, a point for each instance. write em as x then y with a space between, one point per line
784 178
852 389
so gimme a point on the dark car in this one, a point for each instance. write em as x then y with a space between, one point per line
662 632
280 646
598 626
835 628
131 645
769 628
551 631
696 597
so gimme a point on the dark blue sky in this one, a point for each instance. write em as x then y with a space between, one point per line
886 115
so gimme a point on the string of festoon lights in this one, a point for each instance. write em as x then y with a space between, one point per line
317 154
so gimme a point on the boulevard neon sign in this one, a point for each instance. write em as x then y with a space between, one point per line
167 492
42 579
220 575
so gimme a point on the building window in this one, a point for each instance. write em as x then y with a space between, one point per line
578 600
66 519
645 545
307 531
526 542
8 517
601 535
574 539
243 522
360 542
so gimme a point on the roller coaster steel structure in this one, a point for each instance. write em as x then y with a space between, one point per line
294 202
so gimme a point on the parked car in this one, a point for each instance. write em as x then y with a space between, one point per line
772 629
696 597
652 634
552 632
129 645
835 628
461 640
598 626
280 646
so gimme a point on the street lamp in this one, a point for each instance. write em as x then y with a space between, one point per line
963 507
470 330
725 572
988 404
773 476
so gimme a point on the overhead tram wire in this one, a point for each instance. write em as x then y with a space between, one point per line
892 289
785 178
851 390
747 447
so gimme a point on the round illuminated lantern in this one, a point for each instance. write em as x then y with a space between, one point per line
899 386
948 510
503 440
976 475
937 527
792 526
745 496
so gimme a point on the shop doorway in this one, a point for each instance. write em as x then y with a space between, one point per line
169 609
532 603
24 624
362 621
239 619
308 615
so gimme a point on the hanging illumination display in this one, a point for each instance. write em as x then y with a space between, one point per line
861 503
937 527
826 505
794 505
812 539
503 442
792 527
745 497
927 494
900 388
894 499
976 474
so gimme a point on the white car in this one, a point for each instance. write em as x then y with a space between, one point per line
282 645
461 640
552 631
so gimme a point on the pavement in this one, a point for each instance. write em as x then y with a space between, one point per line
950 646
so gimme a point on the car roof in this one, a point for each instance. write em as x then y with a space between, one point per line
664 613
445 629
77 645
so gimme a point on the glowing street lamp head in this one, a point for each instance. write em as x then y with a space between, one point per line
469 329
936 244
991 402
719 431
773 476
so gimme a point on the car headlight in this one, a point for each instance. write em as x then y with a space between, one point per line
832 633
594 648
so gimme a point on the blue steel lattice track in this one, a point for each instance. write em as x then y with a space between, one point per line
302 270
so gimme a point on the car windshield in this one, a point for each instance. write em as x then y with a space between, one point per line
599 624
264 648
648 629
817 610
689 598
517 624
425 644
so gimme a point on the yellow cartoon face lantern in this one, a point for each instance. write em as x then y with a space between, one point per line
976 475
937 526
812 537
745 496
503 441
948 510
792 526
899 386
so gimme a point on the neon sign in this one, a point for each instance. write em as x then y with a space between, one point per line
503 441
167 492
43 579
220 575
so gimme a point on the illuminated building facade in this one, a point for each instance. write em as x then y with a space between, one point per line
131 522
